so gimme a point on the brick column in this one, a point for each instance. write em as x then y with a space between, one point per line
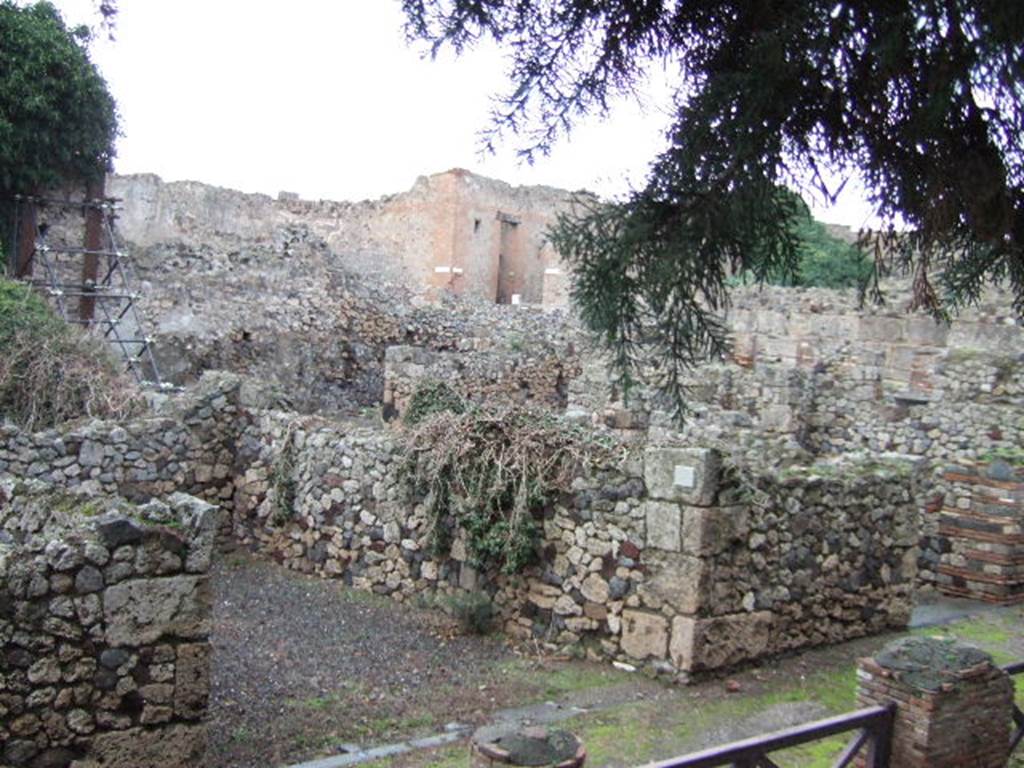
983 524
953 704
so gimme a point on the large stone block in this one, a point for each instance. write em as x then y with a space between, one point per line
202 521
712 530
192 680
663 524
143 611
682 581
689 475
175 746
699 644
644 634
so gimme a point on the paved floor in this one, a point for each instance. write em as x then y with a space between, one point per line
934 610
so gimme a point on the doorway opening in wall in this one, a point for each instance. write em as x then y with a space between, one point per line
510 267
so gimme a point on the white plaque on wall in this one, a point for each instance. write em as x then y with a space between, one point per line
684 476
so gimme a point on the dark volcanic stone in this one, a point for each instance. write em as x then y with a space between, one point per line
112 658
115 533
89 579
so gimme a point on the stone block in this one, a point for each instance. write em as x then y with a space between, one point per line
644 634
141 611
689 475
779 418
926 332
682 581
712 530
663 524
174 746
595 589
192 680
700 644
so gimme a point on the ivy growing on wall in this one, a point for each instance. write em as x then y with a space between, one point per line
489 475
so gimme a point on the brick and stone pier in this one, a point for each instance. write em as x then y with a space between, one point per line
983 523
953 705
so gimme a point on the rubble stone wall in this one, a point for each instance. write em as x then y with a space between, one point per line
653 558
659 559
105 611
536 374
189 446
450 233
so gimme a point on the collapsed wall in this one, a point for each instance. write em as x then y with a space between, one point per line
105 611
516 372
453 232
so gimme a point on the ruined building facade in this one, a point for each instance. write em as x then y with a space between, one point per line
452 233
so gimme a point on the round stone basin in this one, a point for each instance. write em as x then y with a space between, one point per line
535 747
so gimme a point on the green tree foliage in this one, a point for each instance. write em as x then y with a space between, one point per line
58 120
924 99
824 260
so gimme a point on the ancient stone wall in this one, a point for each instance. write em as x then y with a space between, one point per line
649 558
452 232
658 559
525 373
105 614
189 446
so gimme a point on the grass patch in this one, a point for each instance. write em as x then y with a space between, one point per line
556 679
318 702
1013 456
988 633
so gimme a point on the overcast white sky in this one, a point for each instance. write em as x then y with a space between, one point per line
324 98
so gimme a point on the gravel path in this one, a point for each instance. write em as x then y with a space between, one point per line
302 665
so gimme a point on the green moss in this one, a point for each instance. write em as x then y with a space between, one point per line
965 355
72 505
1011 455
991 634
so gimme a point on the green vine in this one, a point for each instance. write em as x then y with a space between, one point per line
432 397
282 481
490 474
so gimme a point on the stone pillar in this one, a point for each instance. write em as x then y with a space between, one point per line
953 705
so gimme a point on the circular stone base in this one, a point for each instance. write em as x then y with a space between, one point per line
533 747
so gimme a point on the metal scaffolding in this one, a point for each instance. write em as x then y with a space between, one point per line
89 285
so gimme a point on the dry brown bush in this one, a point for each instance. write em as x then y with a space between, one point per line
50 374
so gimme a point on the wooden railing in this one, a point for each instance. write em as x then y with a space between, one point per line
1018 716
874 734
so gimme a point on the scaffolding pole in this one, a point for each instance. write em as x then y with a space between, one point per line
98 294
